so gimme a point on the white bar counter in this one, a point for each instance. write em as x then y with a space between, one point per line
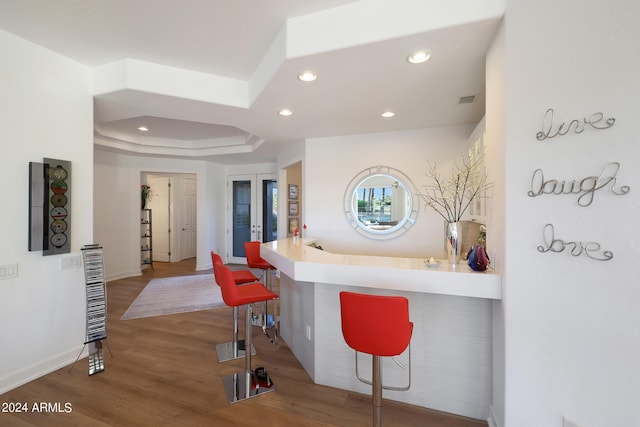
451 346
299 261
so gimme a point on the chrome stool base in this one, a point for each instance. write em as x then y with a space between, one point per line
225 351
235 386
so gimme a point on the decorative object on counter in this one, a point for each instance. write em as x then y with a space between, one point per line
548 131
589 249
145 193
293 225
451 196
586 188
482 236
432 263
477 258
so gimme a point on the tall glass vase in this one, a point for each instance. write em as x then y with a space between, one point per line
453 242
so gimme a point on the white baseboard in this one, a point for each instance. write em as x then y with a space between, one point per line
205 266
492 419
119 276
40 369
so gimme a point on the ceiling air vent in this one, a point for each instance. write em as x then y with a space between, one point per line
466 99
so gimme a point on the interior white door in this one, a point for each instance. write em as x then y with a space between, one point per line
188 223
160 204
246 197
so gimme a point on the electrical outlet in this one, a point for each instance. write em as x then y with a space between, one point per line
70 262
568 423
8 271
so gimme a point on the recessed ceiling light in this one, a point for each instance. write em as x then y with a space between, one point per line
285 112
388 114
307 76
143 129
419 57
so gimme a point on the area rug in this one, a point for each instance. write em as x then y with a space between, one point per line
171 295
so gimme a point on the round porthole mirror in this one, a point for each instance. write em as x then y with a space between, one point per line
379 203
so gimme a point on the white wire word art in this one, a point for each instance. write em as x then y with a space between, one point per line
551 130
590 249
585 187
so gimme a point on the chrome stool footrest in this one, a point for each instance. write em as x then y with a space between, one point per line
226 351
235 386
386 387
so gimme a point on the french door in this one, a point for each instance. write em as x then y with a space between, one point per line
252 212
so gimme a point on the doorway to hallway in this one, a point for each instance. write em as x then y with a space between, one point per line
173 203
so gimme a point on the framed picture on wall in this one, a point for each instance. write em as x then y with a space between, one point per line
293 208
293 224
293 191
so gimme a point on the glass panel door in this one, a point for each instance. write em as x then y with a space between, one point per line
253 213
269 210
241 216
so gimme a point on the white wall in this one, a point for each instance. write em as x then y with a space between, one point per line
331 163
495 162
286 159
45 111
117 207
571 323
117 177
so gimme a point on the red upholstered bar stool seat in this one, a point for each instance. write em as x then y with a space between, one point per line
235 348
380 326
254 260
247 384
239 276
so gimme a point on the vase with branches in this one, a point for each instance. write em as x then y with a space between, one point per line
451 195
145 193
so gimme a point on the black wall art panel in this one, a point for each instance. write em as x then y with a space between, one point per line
50 206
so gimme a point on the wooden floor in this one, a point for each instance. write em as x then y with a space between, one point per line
164 372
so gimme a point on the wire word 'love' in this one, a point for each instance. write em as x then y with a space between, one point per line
589 249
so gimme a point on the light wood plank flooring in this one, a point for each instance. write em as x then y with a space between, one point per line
164 372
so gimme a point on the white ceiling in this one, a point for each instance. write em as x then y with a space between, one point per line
207 77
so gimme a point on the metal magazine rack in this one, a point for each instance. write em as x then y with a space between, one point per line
96 307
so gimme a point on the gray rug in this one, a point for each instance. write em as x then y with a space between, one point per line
171 295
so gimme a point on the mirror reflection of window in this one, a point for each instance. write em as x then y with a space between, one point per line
381 202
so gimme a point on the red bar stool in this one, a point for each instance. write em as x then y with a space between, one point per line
244 385
254 260
234 349
380 326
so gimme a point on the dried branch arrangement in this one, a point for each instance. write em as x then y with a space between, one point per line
450 196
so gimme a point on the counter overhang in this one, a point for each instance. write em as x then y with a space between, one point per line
301 262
